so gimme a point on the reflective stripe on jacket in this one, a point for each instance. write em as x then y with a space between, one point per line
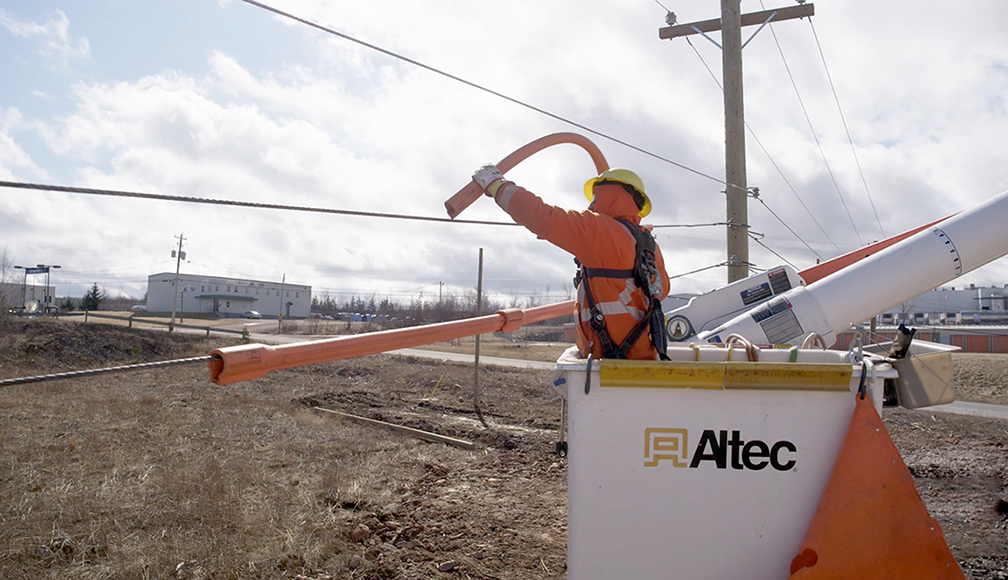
597 240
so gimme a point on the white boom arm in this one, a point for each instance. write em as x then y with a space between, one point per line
895 275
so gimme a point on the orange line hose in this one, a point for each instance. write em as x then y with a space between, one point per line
471 192
251 361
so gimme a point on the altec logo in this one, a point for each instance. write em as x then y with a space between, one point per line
661 444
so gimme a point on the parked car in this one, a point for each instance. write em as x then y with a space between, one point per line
139 308
251 314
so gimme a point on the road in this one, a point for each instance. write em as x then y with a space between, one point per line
972 409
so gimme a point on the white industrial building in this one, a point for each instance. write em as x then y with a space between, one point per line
227 296
950 305
21 294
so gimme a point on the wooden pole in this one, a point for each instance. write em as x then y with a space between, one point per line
283 281
735 168
178 265
476 352
736 189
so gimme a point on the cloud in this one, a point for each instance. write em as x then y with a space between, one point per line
13 157
58 46
350 128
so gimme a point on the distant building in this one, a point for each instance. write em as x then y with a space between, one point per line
972 305
14 295
227 296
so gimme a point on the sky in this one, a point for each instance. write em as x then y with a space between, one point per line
875 117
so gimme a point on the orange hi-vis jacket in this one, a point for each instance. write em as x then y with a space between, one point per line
597 240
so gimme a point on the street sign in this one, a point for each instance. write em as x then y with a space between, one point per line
37 270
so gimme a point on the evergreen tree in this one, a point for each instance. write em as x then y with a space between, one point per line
92 298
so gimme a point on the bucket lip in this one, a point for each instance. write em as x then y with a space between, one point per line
571 359
917 348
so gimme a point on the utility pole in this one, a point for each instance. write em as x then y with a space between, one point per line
179 256
476 351
730 24
735 168
283 281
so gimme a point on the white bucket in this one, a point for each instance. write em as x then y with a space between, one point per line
708 469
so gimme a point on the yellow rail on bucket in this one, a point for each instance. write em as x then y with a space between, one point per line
725 375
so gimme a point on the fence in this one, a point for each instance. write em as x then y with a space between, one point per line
976 339
129 322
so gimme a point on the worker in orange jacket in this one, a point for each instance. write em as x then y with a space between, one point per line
621 279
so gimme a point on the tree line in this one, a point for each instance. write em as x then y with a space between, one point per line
422 309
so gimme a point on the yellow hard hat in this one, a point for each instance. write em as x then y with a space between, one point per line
624 176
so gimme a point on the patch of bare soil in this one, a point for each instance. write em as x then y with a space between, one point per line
160 474
960 466
981 378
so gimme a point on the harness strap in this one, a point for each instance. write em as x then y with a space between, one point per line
654 318
646 278
607 273
597 323
632 336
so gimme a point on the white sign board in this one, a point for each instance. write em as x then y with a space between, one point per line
696 483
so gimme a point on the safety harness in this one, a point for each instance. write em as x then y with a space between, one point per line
646 276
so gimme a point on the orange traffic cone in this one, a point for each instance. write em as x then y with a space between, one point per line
871 523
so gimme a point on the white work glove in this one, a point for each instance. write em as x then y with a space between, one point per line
489 178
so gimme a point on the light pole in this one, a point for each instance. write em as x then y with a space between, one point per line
46 299
24 287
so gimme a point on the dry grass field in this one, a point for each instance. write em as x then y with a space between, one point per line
160 474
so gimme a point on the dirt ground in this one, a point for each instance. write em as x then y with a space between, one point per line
160 474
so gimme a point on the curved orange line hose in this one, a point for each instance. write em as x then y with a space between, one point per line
471 192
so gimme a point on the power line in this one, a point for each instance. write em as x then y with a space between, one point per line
800 200
755 195
689 225
698 270
808 120
773 162
92 372
471 84
767 248
795 192
844 120
228 202
259 205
